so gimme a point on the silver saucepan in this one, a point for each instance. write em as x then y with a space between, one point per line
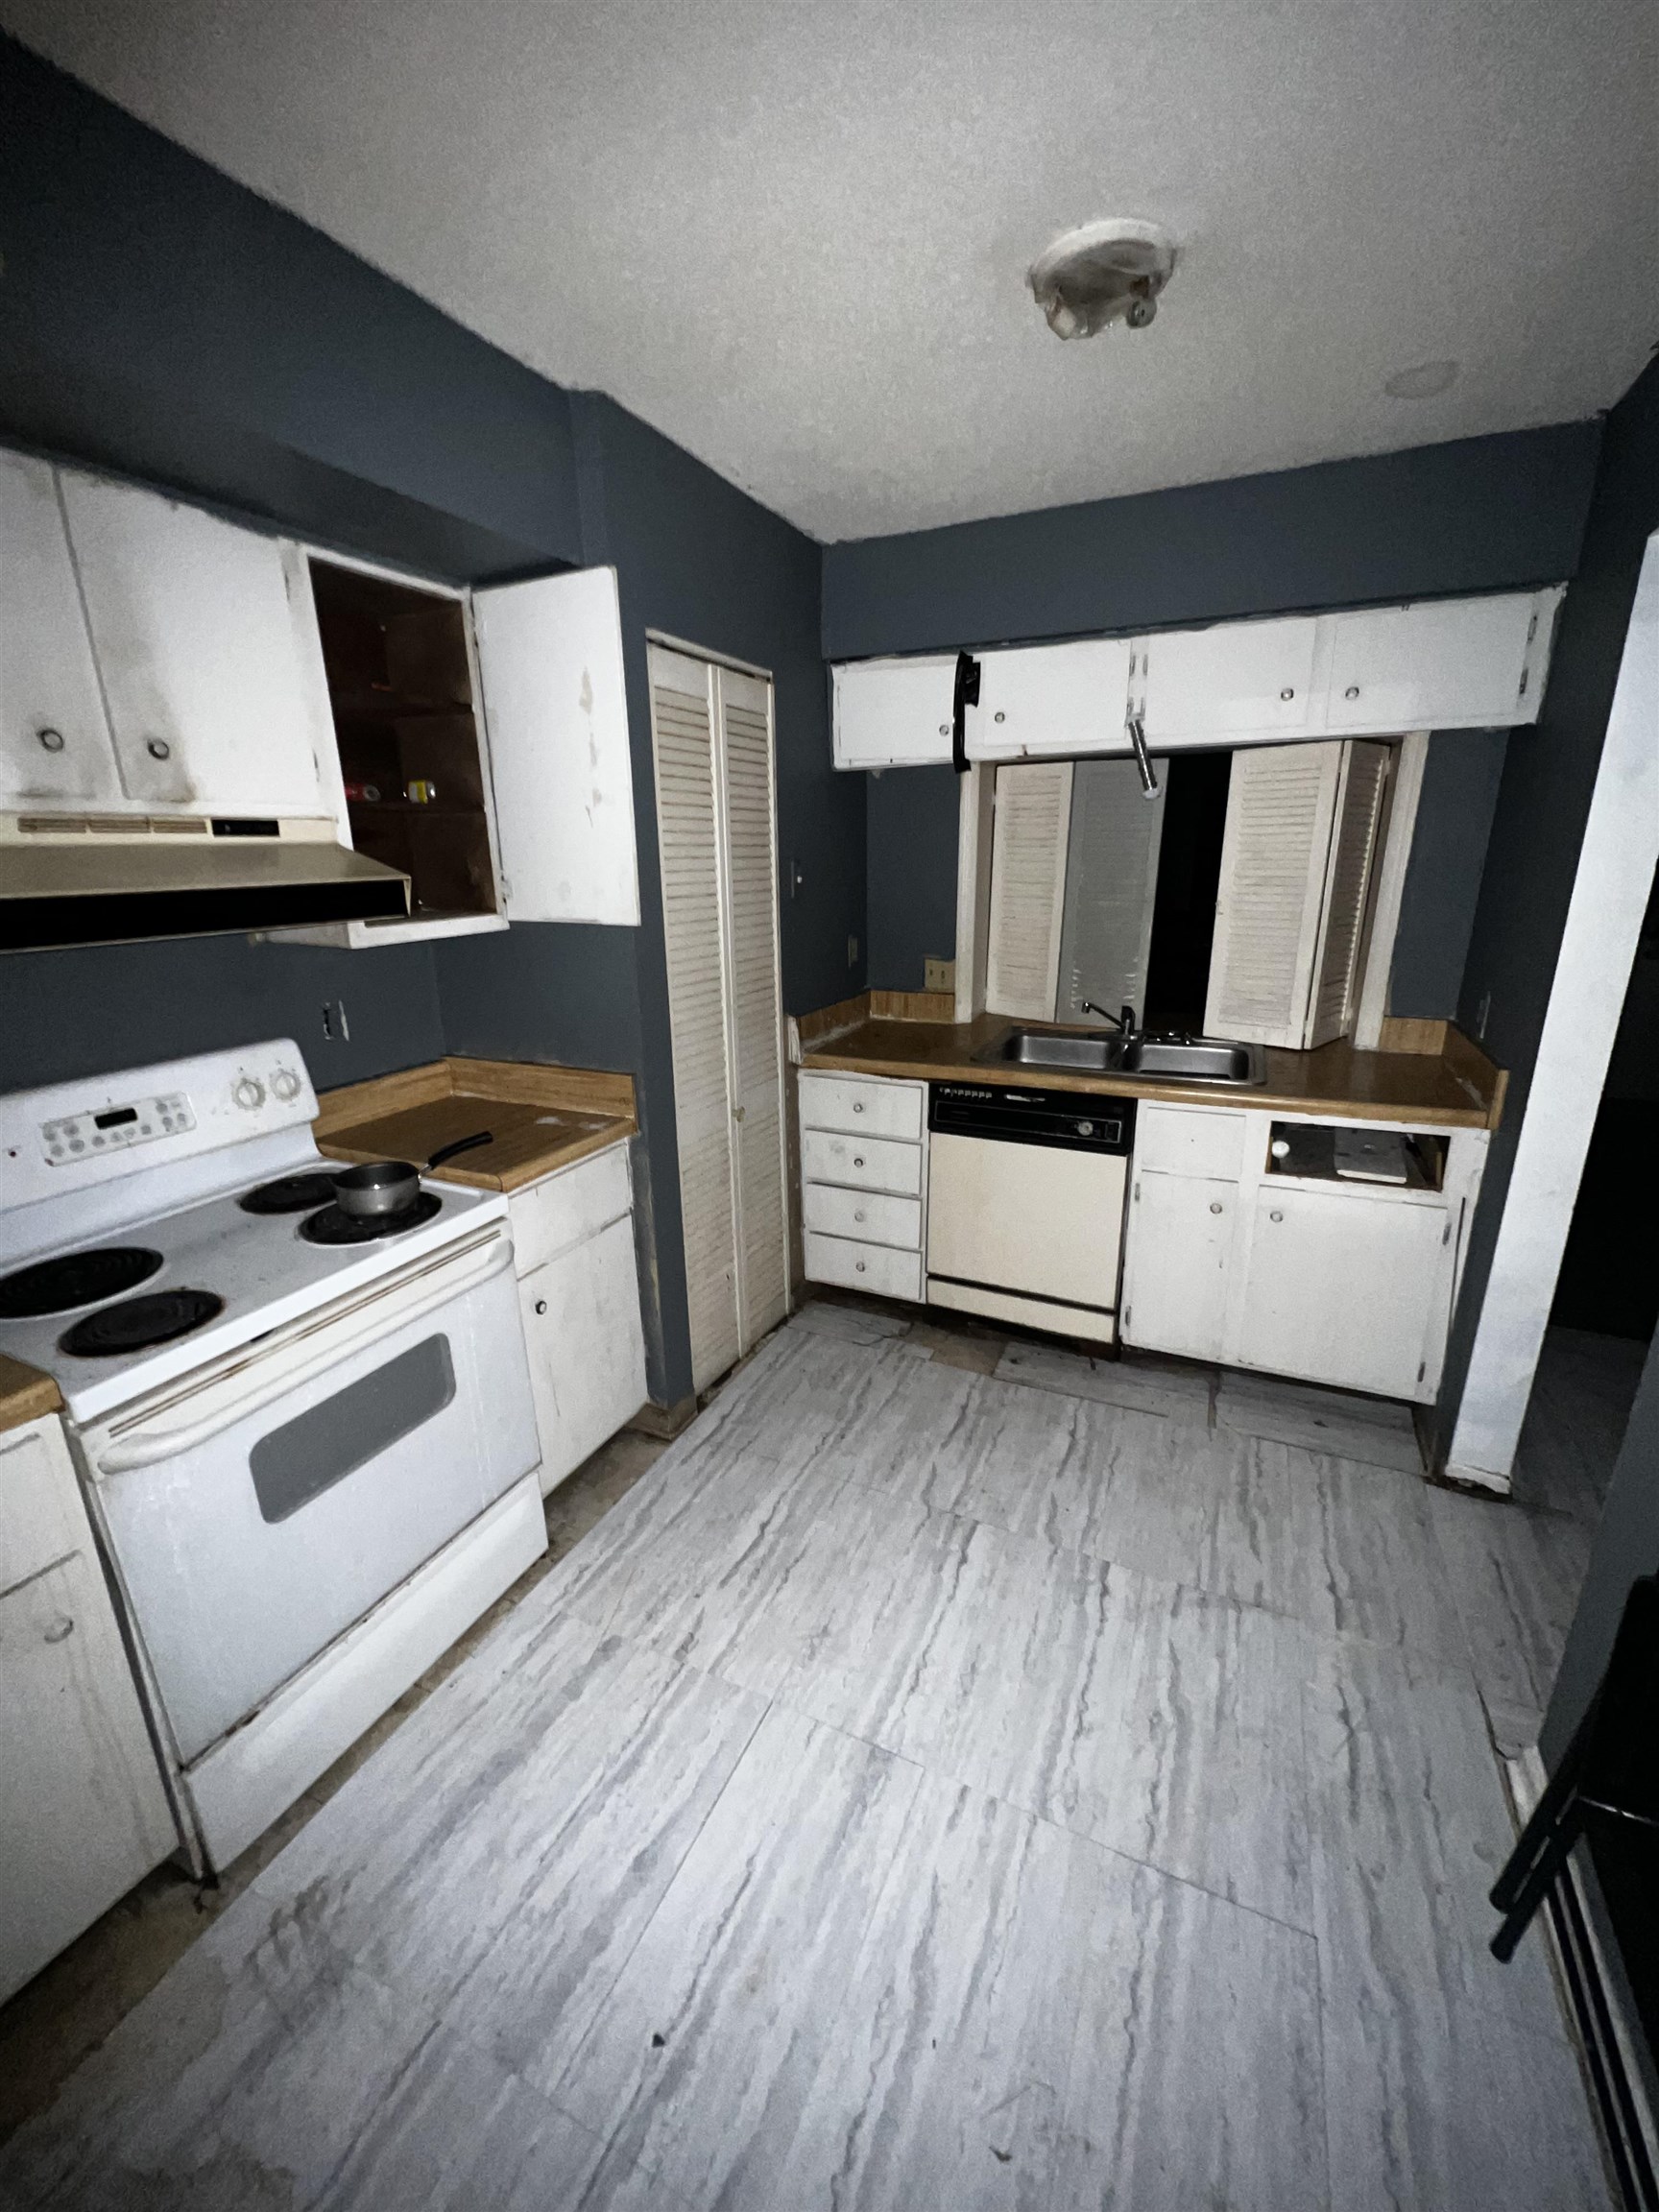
380 1187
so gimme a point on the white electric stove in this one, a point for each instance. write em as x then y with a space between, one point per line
308 1442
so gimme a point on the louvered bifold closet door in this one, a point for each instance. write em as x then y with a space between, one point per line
755 1039
1027 890
1348 887
1281 805
687 835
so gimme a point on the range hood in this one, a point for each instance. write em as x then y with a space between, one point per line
110 878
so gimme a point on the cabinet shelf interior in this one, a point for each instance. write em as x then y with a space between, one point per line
400 688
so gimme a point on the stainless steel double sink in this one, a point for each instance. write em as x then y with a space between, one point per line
1208 1060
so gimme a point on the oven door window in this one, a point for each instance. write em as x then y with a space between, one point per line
322 1446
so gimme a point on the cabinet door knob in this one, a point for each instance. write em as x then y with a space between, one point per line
1274 1215
1351 692
158 748
857 1161
857 1106
541 1305
859 1214
59 1629
1214 1205
1288 692
52 740
999 716
859 1264
944 729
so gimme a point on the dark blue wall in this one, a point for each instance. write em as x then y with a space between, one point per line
912 848
1542 805
171 324
1479 514
698 561
1460 794
164 323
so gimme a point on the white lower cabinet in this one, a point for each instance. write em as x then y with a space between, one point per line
84 1812
580 1303
1178 1263
863 1197
1343 1288
1343 1282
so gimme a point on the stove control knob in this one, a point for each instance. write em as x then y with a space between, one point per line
284 1085
248 1094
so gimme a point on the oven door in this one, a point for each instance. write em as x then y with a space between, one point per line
257 1511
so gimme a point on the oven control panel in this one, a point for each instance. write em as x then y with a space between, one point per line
139 1121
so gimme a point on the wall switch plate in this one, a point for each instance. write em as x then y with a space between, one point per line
939 975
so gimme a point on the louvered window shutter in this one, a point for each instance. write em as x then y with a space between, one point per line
1359 815
1281 804
755 1025
1028 889
688 832
1111 879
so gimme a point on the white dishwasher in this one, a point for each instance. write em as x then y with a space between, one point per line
1025 1205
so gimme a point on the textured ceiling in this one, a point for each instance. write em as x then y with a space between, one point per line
793 236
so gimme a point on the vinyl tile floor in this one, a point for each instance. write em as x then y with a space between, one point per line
955 1773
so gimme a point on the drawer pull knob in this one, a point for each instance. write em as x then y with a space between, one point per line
857 1160
60 1628
541 1305
1214 1205
1274 1215
1351 692
857 1105
944 729
858 1217
158 748
1288 692
51 739
859 1264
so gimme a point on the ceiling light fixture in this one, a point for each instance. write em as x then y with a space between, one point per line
1425 381
1105 272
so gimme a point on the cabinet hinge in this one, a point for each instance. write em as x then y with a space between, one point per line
1137 1193
1422 1369
1525 674
1128 1316
1446 1233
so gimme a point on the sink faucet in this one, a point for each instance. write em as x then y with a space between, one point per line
1123 1021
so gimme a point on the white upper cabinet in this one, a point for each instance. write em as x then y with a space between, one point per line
556 713
893 713
1238 679
1040 701
55 745
198 652
1441 664
1436 664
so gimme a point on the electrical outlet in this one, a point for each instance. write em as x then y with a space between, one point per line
851 951
336 1029
939 975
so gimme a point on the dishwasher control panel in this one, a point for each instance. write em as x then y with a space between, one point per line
1018 1115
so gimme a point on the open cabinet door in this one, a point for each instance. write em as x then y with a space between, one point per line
556 710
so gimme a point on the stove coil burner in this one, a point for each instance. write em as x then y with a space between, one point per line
289 1194
75 1278
333 1227
138 1323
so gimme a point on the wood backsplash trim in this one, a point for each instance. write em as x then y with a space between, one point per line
514 1082
831 1021
913 1005
1405 1033
1466 1060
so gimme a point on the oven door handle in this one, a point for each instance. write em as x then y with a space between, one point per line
144 1451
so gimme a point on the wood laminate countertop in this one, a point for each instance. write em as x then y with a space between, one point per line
541 1119
1456 1089
25 1393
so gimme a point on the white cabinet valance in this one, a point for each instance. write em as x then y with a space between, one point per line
1432 664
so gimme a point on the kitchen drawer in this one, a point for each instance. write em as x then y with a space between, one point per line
575 1203
870 1267
1189 1141
867 1214
870 1162
41 1516
862 1104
